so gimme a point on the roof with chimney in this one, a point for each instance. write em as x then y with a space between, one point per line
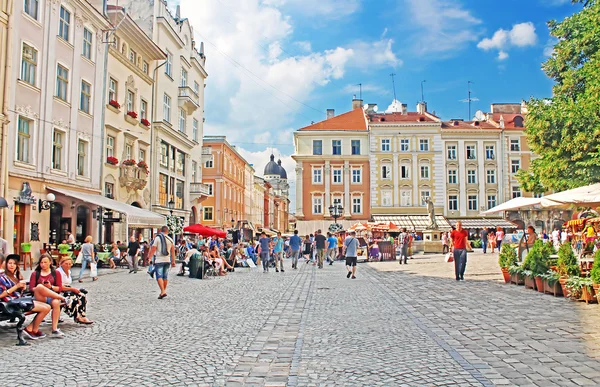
352 120
407 117
459 124
511 121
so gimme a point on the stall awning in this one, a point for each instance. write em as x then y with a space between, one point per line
136 217
483 223
417 223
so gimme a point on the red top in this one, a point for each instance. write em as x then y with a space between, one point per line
459 238
33 283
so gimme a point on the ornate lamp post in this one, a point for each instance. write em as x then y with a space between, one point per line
336 212
171 205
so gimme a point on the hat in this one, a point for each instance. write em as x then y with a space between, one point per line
16 257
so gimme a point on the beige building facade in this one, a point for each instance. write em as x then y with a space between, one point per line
6 10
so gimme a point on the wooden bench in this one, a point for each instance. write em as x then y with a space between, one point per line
16 310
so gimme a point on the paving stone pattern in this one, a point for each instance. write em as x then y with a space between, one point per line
394 325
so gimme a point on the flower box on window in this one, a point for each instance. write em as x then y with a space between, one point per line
114 104
145 122
132 114
142 164
112 160
129 162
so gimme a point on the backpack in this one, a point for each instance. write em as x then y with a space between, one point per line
163 244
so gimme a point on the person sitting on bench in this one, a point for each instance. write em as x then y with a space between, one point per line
46 283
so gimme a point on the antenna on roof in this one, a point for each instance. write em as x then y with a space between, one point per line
359 91
469 99
393 84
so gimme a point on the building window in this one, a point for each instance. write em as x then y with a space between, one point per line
210 189
386 198
143 110
453 203
128 151
194 171
471 152
113 86
404 145
386 172
62 82
181 163
491 176
132 56
471 176
86 97
65 21
538 195
145 68
472 202
357 205
130 101
87 43
337 176
31 7
208 164
385 145
23 139
179 194
29 64
167 108
142 155
164 155
424 195
406 198
451 152
489 152
336 147
195 130
163 188
317 176
317 205
516 192
452 176
196 87
515 145
169 64
81 158
317 147
110 146
355 147
207 213
109 190
515 165
356 176
184 77
425 172
424 145
182 120
57 149
491 201
405 172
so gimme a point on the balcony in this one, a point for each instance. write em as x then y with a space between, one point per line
188 99
199 189
132 177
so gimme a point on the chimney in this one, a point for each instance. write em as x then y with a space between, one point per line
330 113
422 107
404 106
356 103
178 12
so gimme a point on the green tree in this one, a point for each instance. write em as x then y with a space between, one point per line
565 130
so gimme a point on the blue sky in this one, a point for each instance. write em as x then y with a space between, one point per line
276 65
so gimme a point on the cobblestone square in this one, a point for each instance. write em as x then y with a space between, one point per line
395 325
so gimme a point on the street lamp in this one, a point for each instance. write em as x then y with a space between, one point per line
171 205
45 204
336 212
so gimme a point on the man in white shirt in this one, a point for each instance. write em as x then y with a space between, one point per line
563 237
70 238
556 238
163 251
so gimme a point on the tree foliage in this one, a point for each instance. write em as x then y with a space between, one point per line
565 130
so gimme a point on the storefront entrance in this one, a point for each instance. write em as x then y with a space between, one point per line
19 227
83 223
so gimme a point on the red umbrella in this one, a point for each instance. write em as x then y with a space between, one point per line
205 231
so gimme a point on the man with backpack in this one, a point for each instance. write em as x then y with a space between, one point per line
163 253
404 240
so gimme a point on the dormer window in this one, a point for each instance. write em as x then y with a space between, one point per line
518 122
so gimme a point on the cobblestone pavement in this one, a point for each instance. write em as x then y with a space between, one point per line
394 325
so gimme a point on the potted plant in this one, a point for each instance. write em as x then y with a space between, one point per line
26 247
537 259
580 288
129 163
506 259
114 104
595 273
567 265
112 160
63 248
516 275
145 122
132 114
142 164
551 285
76 249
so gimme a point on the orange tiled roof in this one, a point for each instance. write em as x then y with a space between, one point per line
406 117
468 125
509 120
352 120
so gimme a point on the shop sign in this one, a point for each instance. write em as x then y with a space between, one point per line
25 196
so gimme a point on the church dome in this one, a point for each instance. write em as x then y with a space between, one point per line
282 171
272 168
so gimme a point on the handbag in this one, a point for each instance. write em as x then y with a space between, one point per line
93 269
79 258
449 257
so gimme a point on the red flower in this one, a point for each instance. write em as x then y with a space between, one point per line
129 162
112 160
145 122
132 114
114 103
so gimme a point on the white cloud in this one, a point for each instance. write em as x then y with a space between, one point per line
521 35
441 26
305 46
374 54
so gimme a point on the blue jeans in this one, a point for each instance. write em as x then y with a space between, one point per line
264 257
84 264
460 262
161 270
484 243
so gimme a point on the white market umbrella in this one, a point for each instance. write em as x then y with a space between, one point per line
588 196
514 204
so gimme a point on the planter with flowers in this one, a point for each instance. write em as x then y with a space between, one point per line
506 259
112 160
145 122
26 247
142 165
567 266
114 106
131 117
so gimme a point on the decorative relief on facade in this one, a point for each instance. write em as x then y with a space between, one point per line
60 124
26 111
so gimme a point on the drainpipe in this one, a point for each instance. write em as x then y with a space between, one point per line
152 185
5 111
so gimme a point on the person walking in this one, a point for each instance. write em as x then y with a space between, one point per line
460 242
133 249
445 247
264 247
88 257
278 252
163 253
320 242
331 248
484 239
499 237
295 244
404 240
350 251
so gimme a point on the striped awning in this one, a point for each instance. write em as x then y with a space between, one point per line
576 222
417 223
483 223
